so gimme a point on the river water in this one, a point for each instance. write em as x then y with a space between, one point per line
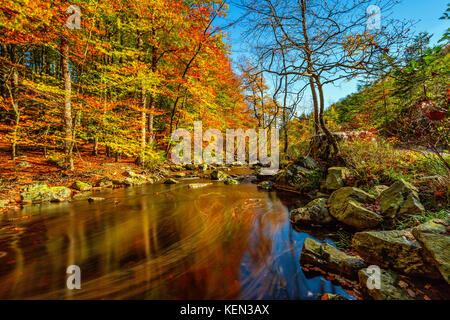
159 242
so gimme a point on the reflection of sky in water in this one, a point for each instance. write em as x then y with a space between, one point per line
282 276
158 242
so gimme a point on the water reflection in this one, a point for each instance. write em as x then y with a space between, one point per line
158 242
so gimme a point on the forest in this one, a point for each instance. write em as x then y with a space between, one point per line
92 93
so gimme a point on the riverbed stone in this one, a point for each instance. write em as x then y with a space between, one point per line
379 189
218 175
171 181
95 199
135 179
435 240
336 177
199 185
3 204
329 258
396 250
266 185
105 183
347 206
231 181
388 289
24 164
40 192
402 198
314 213
81 186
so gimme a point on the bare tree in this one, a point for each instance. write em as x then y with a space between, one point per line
320 42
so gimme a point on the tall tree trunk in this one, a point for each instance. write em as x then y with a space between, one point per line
141 158
67 112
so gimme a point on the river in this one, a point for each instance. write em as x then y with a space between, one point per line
159 242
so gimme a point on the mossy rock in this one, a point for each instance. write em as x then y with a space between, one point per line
40 192
105 183
396 250
171 181
266 185
388 289
24 164
329 258
346 206
231 181
81 186
218 175
401 199
336 177
3 204
314 212
435 241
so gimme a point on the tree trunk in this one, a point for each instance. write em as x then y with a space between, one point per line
141 158
67 112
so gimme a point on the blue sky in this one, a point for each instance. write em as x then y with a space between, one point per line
425 12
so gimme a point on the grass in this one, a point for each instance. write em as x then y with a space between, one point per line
411 221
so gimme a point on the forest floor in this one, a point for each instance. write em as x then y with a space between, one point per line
88 168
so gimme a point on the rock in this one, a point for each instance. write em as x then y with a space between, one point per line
314 212
171 181
346 206
336 177
331 297
378 190
300 178
266 185
435 241
82 196
24 164
329 258
400 199
95 199
203 167
199 185
231 181
307 162
81 186
3 204
218 175
135 179
396 250
190 167
41 192
105 183
389 288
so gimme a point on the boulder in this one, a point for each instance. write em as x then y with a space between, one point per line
329 258
435 240
400 199
302 174
347 206
95 199
231 181
336 178
315 213
171 181
24 164
218 175
378 190
135 179
190 167
40 192
388 289
3 204
396 250
199 185
105 183
266 185
81 186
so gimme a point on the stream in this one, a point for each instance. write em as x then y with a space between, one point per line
159 242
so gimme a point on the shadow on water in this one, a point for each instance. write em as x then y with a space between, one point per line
158 242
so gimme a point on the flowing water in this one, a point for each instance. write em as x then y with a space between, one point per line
159 242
